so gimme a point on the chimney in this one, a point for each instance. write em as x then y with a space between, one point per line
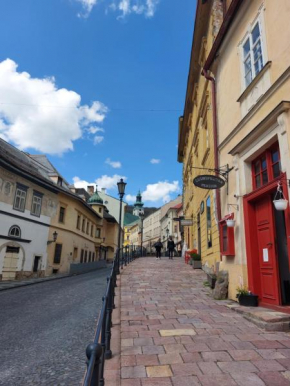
90 190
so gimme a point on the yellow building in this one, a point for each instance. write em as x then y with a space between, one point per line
250 62
79 232
196 142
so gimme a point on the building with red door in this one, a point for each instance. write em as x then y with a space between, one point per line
249 68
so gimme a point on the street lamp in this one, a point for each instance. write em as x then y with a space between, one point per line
141 215
54 238
121 189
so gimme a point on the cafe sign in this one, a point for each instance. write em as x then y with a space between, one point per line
186 222
207 181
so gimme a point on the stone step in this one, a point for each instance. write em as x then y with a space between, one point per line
265 318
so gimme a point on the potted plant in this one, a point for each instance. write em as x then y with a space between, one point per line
211 278
195 260
246 298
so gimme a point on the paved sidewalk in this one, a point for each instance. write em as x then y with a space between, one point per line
174 334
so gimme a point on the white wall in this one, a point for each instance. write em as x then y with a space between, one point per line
113 205
37 233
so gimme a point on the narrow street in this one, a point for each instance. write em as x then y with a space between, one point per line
44 330
174 334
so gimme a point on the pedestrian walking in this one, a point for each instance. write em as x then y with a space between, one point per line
170 247
158 246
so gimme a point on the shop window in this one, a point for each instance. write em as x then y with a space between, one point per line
227 238
266 167
86 255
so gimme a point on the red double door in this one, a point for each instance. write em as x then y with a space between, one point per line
267 253
264 230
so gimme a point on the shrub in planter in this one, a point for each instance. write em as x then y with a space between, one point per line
195 259
246 298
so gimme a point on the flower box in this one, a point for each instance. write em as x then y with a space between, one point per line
248 300
196 264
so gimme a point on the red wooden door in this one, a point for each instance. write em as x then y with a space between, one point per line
270 290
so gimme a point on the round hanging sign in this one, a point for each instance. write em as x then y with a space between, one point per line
207 181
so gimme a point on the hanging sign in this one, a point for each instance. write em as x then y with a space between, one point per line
186 222
207 181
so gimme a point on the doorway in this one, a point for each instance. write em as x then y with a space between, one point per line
10 263
36 263
198 234
266 231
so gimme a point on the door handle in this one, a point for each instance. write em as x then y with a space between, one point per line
270 244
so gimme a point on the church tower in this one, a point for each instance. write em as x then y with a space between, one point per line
138 206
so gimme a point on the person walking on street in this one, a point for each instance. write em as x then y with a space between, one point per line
170 247
158 246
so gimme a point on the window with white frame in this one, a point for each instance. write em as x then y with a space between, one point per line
14 231
253 59
36 204
20 197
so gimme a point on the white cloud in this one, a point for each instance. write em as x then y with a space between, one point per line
34 113
162 190
155 161
138 7
87 7
108 182
114 164
94 130
98 139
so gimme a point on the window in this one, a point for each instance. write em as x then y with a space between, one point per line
84 225
57 253
252 54
14 231
36 204
266 167
88 227
92 230
128 238
82 255
79 222
208 218
227 241
61 214
98 232
90 255
93 259
100 210
86 255
10 249
20 197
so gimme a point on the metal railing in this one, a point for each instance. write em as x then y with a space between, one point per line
100 350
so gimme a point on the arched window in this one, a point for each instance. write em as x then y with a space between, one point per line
14 231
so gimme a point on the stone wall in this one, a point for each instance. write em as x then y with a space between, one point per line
87 267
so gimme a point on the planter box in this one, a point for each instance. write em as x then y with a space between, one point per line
196 264
211 279
248 300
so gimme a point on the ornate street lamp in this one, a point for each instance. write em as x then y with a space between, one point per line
121 189
141 215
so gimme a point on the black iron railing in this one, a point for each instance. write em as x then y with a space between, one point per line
100 350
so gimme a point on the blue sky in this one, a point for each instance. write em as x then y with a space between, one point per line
98 86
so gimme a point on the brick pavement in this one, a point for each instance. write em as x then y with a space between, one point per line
174 334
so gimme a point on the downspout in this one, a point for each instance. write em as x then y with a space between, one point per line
215 136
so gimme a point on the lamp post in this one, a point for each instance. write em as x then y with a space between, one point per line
121 189
141 215
54 236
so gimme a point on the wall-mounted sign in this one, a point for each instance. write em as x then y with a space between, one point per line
186 222
207 181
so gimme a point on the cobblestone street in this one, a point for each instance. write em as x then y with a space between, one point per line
174 334
44 330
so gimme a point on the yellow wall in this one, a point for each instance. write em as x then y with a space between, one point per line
241 110
199 152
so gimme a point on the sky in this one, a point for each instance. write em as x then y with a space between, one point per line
98 86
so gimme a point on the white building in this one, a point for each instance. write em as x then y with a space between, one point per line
151 230
112 204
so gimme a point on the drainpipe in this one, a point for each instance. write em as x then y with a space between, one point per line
215 136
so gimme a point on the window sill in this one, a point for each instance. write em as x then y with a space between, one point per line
250 87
